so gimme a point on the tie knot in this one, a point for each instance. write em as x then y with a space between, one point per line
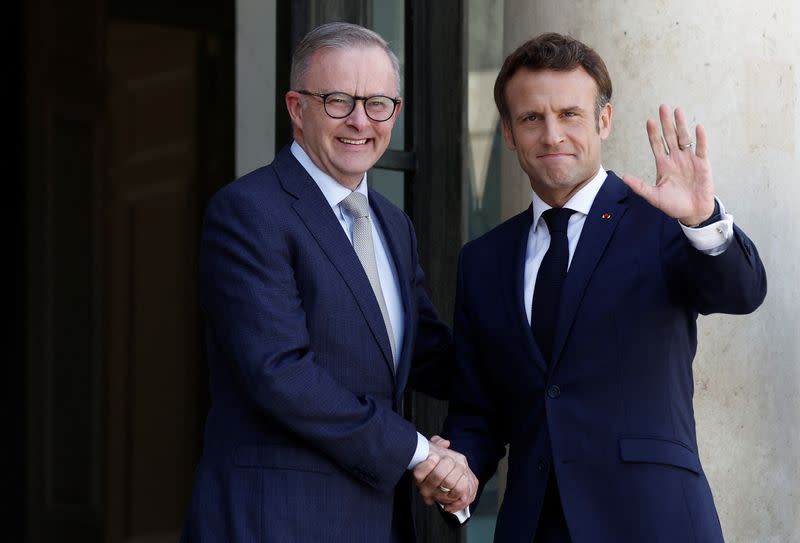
557 218
356 205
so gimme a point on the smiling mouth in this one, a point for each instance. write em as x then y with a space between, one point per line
353 142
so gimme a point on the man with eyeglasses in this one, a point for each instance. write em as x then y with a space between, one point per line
317 320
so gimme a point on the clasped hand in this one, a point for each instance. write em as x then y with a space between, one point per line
445 478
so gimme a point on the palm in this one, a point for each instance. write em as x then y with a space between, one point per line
684 187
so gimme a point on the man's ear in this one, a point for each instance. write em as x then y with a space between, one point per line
294 106
508 136
604 121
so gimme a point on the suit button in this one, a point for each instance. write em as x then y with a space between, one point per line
542 465
554 392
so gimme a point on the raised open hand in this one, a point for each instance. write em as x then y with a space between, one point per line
684 187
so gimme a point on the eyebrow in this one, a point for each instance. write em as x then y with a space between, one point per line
527 112
571 108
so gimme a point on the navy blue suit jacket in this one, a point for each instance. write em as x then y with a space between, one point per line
613 415
304 440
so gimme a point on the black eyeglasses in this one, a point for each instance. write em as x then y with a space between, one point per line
339 105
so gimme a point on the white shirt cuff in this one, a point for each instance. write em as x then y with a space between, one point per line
714 238
422 451
462 515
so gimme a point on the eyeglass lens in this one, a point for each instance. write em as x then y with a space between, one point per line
378 108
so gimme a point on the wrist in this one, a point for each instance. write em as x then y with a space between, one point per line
699 222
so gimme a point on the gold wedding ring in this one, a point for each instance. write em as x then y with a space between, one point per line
444 489
686 146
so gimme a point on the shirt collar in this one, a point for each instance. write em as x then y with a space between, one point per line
333 191
581 201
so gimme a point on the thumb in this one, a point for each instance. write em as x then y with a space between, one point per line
640 187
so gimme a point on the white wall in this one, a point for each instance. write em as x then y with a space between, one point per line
734 66
255 84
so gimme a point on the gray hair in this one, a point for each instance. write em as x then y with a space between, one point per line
336 36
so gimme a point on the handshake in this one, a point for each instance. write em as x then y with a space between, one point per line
445 478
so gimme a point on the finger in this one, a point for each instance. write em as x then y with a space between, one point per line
439 473
641 188
424 468
474 484
456 484
470 489
457 457
440 441
702 142
657 143
457 505
470 486
683 134
668 127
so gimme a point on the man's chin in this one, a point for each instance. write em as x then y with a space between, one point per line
560 180
356 168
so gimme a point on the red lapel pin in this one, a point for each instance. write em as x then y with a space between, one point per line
606 215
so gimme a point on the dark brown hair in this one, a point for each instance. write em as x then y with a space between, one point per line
557 52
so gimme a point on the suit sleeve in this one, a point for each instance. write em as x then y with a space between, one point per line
256 315
732 282
473 423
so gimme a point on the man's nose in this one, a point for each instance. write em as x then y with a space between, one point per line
553 132
358 117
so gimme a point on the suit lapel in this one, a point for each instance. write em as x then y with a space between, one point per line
514 291
320 220
604 216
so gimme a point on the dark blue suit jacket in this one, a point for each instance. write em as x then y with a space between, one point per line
614 413
303 441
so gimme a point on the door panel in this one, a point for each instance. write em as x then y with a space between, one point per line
152 338
64 145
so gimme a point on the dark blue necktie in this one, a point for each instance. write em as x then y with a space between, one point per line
549 281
